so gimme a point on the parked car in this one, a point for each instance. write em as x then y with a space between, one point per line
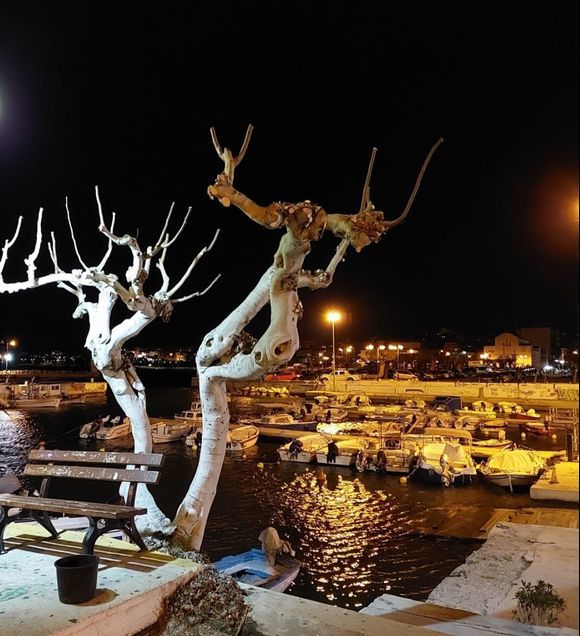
282 375
341 375
405 375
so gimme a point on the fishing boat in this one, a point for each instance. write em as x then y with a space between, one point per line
511 468
348 452
485 448
282 421
193 415
538 428
106 427
525 416
303 449
330 414
238 438
168 430
252 567
35 402
480 408
467 423
398 454
446 461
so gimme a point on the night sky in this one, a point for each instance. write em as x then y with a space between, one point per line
121 96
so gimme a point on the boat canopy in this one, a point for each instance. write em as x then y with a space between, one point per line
516 461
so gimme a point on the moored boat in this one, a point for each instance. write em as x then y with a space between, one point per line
511 468
192 415
168 430
446 461
252 567
106 427
238 437
282 421
303 449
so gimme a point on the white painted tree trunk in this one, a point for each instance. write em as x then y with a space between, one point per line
106 347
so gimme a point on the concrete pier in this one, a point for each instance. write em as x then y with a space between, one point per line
131 589
560 483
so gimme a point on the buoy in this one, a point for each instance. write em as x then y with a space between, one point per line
523 435
403 480
243 455
260 465
554 477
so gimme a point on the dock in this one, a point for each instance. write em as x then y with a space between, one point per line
476 523
560 483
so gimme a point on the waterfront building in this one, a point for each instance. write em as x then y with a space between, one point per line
509 348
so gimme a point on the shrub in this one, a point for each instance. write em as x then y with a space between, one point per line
538 604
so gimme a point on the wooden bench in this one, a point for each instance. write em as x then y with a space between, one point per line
90 465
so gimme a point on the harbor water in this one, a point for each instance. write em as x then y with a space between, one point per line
357 535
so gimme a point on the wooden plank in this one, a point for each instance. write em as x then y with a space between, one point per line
92 472
78 508
97 457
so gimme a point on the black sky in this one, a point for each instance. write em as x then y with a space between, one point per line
122 96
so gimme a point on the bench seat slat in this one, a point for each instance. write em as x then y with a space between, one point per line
97 457
92 472
77 508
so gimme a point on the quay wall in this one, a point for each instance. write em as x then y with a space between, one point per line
555 394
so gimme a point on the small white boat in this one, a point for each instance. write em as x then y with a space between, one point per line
106 427
348 452
283 421
330 414
368 428
238 439
446 461
303 449
397 455
480 408
35 402
164 431
467 423
193 415
252 567
509 468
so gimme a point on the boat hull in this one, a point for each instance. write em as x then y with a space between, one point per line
507 480
431 476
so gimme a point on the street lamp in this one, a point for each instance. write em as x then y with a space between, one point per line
398 348
333 316
8 357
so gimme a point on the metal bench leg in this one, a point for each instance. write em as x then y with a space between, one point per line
4 521
91 535
44 520
130 529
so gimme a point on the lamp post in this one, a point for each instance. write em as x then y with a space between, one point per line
333 316
398 348
7 355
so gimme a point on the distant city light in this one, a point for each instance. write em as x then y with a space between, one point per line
548 367
8 357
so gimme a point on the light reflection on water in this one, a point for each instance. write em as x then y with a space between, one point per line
357 535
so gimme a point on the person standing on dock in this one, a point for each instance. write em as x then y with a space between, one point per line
332 452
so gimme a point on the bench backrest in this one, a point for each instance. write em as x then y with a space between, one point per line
95 466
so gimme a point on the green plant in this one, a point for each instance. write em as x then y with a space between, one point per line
538 604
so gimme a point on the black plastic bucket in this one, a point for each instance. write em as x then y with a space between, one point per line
76 577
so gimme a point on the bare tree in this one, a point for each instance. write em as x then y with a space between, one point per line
229 352
104 341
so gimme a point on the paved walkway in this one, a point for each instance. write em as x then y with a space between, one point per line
487 582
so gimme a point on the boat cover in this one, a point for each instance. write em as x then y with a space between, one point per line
516 461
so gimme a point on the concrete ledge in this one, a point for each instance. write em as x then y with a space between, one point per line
557 484
276 614
131 585
487 582
447 620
